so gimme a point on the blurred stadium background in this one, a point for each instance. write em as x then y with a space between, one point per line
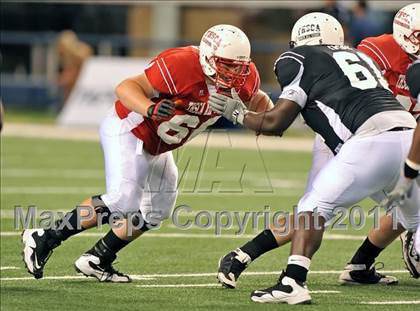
45 44
60 63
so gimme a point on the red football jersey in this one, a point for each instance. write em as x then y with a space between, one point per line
177 75
393 61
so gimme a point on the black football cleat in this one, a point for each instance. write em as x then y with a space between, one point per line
410 256
358 274
37 248
231 266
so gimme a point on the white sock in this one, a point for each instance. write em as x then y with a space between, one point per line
299 260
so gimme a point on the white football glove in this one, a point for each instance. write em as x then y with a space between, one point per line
402 192
232 109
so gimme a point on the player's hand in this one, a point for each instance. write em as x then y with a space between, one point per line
232 108
402 192
161 110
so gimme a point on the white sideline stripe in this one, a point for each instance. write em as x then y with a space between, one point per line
198 235
402 302
9 268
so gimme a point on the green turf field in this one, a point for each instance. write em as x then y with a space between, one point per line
175 269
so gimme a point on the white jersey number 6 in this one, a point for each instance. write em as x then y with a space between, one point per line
360 70
180 126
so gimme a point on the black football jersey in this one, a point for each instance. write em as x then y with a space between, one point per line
338 88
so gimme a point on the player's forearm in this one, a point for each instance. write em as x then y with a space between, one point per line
260 102
133 97
263 122
274 121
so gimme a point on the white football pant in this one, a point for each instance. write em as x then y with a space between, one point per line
136 180
364 167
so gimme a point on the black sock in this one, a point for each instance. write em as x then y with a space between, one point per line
366 254
296 272
261 244
69 228
107 247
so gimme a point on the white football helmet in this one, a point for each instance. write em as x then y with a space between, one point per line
406 28
316 29
225 56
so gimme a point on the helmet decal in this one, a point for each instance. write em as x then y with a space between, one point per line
317 28
406 28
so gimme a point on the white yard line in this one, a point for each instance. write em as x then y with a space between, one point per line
191 174
292 191
344 237
253 273
66 277
184 275
58 173
10 213
324 292
218 285
402 302
51 190
178 285
218 138
147 278
9 268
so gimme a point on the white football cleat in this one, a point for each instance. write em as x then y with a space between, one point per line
90 265
287 290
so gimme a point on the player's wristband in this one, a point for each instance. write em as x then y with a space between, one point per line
411 169
151 110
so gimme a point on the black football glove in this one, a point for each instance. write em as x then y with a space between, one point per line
161 110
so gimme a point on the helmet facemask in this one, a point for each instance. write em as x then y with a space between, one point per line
230 73
414 39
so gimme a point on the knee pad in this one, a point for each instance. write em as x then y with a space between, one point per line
101 209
